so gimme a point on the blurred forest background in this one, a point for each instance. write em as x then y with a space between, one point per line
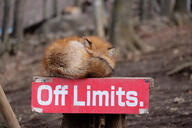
153 37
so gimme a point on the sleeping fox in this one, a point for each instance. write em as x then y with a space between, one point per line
75 57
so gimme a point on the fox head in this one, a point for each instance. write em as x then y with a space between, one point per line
100 49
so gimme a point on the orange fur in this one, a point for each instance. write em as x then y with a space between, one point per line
72 58
72 10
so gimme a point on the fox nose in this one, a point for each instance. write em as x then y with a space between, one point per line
111 72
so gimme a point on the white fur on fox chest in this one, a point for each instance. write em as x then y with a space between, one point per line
77 53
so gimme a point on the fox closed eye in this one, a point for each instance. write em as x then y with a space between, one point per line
87 43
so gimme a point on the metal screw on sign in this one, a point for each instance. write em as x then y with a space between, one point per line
44 80
146 81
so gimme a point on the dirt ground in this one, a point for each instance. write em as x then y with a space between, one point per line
170 99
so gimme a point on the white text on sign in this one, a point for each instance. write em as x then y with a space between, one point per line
92 95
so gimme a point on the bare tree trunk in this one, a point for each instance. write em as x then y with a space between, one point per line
181 6
167 7
181 14
189 3
77 3
155 6
5 25
143 9
122 33
45 9
56 8
6 19
46 16
18 20
163 8
114 18
99 18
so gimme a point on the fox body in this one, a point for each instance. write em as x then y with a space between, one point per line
75 57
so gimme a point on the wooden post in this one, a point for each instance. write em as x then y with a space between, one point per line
79 121
7 111
94 121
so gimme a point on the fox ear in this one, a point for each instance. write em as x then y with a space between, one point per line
87 43
111 52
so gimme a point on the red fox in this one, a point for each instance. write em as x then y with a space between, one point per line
75 57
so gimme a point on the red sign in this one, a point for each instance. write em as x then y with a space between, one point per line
91 95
